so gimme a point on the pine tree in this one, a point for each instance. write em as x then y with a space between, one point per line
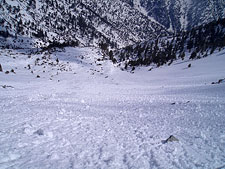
193 55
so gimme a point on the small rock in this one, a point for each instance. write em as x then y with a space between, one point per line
170 139
220 81
7 72
1 70
99 59
189 65
38 76
5 86
39 132
173 103
12 70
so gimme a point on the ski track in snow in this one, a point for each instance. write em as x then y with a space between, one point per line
85 113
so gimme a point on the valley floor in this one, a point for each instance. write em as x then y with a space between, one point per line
86 113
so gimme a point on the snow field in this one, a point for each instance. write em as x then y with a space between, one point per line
86 113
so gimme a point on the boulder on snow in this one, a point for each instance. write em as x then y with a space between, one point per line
5 86
1 70
219 81
57 61
150 69
170 139
12 71
39 132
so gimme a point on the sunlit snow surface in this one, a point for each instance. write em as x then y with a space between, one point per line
93 115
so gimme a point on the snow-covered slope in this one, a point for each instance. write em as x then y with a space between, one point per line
87 22
83 112
196 43
180 14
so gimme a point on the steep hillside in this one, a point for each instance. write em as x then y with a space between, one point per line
74 93
196 43
79 113
180 14
81 22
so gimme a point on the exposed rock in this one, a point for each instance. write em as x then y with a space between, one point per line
5 86
39 132
170 139
1 70
12 70
219 81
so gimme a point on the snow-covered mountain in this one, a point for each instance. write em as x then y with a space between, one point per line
197 43
118 23
84 22
72 107
180 14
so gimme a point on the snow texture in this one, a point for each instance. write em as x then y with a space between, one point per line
86 113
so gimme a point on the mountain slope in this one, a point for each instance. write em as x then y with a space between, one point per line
197 43
84 22
82 114
180 14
